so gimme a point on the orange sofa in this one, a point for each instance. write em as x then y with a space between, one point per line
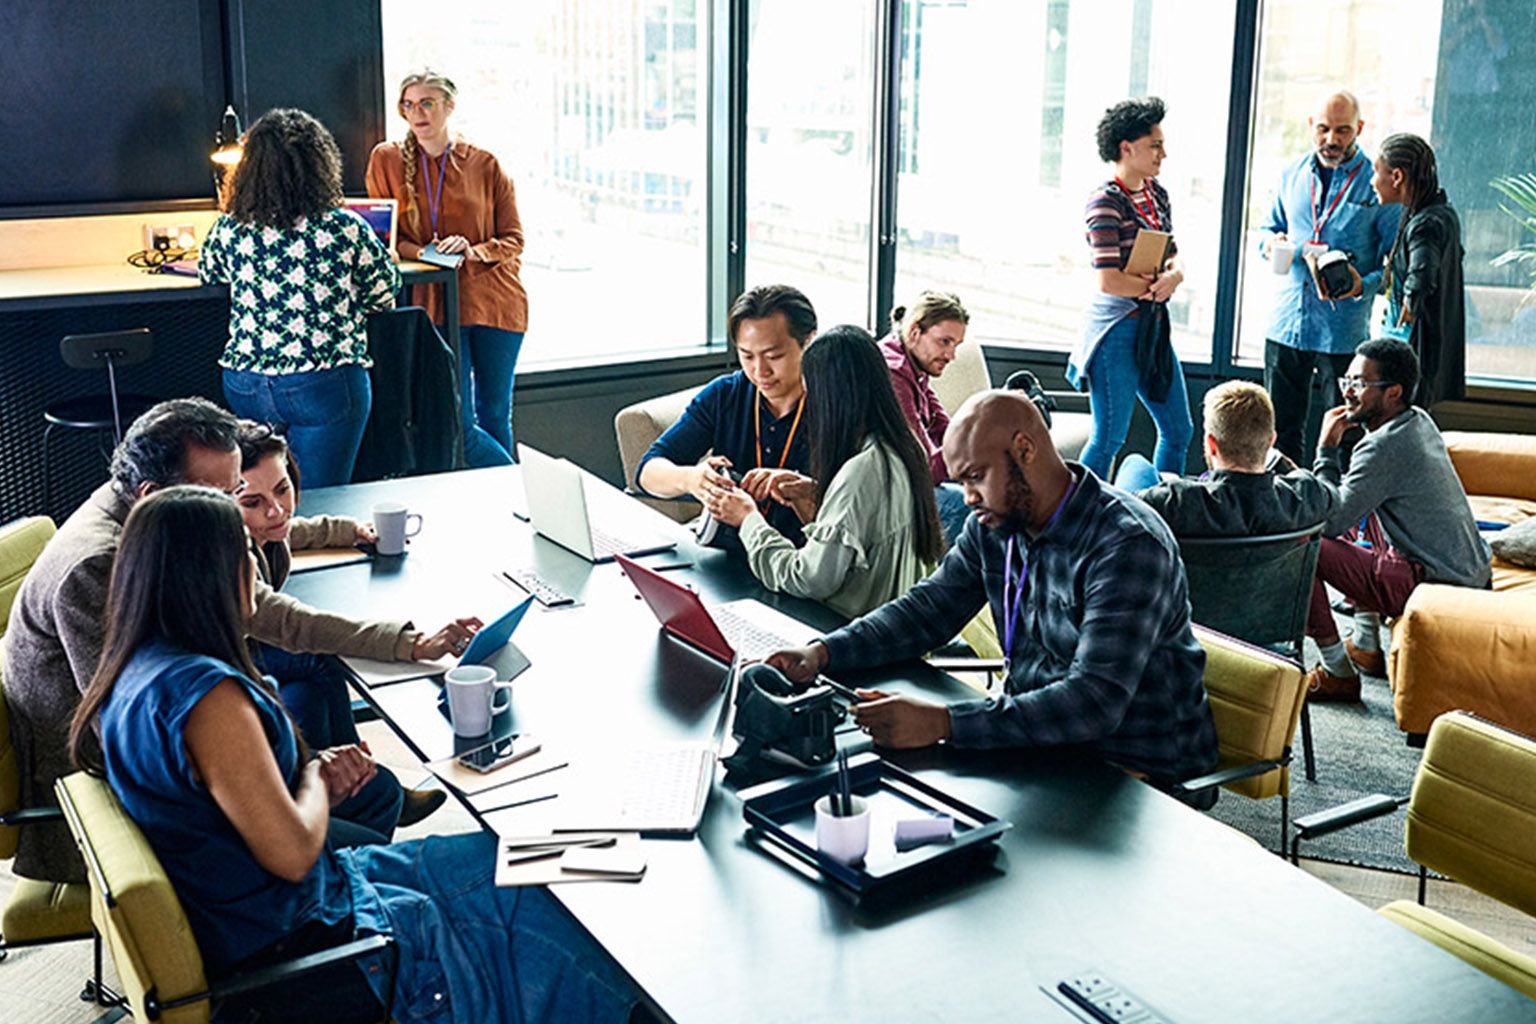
1475 649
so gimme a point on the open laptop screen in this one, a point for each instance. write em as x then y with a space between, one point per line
380 214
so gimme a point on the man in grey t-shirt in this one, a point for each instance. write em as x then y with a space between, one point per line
1415 514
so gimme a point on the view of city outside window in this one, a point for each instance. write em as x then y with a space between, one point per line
810 95
596 109
999 103
1456 72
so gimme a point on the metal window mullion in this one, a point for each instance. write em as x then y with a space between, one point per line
885 162
1245 48
726 219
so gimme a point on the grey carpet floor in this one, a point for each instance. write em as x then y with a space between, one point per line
1360 750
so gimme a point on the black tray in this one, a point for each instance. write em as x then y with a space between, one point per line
782 812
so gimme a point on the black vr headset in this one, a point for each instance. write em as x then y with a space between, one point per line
779 721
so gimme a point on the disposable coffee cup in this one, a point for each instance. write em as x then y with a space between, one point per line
845 840
471 691
1282 252
393 524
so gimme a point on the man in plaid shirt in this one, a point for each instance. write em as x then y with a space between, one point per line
1088 593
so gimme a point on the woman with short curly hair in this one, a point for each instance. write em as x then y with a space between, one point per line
303 275
1126 351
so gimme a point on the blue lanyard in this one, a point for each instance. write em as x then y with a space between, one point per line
434 202
1013 590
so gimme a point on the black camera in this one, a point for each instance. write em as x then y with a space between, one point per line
1333 275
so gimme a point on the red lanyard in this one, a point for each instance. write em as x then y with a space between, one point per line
1148 216
757 428
1317 225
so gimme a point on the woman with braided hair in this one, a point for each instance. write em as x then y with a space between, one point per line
456 197
1426 307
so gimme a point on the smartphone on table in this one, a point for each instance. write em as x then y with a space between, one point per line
500 752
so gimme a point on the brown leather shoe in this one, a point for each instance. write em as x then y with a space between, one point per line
1325 687
1372 663
418 804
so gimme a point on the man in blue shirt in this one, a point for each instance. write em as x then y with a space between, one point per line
1089 597
751 419
1324 202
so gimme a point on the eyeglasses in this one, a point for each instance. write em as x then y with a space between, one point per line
1348 384
426 106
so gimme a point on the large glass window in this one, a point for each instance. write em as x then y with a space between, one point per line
999 102
597 110
810 116
1456 72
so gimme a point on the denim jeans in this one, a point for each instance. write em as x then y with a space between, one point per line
487 362
952 511
1136 473
322 412
1114 385
472 952
314 689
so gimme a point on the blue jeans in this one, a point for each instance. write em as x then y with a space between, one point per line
472 952
1114 385
1136 473
487 362
322 412
314 689
952 511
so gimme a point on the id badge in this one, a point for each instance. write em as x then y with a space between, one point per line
1313 249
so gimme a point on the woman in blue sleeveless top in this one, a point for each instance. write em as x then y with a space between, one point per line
205 758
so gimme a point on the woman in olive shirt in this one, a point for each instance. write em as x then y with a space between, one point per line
457 197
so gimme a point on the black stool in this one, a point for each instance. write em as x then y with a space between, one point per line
98 413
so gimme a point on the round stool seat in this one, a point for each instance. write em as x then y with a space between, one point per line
94 412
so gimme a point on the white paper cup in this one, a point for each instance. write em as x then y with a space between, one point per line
1281 253
471 689
845 840
393 525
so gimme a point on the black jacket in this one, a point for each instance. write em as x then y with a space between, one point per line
1225 503
1426 274
414 427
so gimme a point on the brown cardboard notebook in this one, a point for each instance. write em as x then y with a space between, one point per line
1149 252
326 558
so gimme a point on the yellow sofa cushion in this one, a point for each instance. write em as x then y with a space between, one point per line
1472 815
1494 959
39 911
1494 464
151 942
1255 700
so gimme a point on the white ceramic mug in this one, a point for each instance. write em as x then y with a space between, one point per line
471 689
1281 252
843 839
393 525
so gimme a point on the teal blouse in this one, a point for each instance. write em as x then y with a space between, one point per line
298 298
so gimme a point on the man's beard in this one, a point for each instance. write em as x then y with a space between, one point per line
1332 160
1020 513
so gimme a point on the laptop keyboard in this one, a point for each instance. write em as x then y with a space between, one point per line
606 545
652 789
749 639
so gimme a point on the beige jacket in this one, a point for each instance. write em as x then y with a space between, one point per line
54 642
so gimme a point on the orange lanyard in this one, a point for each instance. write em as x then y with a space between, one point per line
757 428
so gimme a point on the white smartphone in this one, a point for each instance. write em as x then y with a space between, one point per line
500 752
604 860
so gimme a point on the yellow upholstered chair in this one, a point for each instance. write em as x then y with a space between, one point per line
1472 817
36 912
1256 698
636 427
135 907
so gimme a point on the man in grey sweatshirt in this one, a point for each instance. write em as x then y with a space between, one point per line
1402 496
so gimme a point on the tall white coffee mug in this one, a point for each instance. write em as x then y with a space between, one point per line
471 689
393 525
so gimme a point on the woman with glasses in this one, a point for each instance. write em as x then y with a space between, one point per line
1126 350
303 275
455 197
202 754
1425 305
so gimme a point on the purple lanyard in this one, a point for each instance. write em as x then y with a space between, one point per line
1013 590
434 202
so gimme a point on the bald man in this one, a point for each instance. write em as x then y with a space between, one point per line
1324 202
1088 594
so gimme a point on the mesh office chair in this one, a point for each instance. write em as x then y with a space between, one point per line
1257 589
98 414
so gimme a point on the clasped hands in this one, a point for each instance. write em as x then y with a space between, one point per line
731 503
345 770
900 723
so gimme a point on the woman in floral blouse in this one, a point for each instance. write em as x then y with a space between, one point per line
303 275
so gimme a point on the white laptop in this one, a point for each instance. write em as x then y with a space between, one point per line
559 511
654 789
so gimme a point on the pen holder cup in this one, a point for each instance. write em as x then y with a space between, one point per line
845 840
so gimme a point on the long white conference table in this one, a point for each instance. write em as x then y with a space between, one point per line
1100 873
